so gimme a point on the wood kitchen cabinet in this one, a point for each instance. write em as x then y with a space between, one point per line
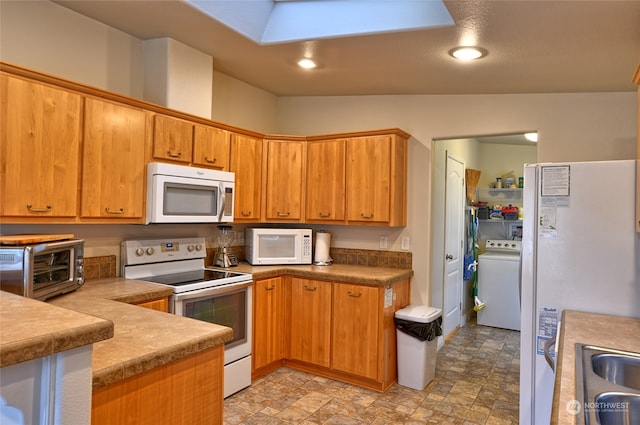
284 183
188 391
355 334
268 325
325 190
338 330
40 134
211 147
161 304
113 172
377 180
172 139
246 163
310 319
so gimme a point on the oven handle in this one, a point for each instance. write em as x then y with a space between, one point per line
216 290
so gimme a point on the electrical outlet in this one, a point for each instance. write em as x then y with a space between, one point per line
405 243
383 242
240 238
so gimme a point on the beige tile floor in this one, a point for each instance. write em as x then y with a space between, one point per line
476 382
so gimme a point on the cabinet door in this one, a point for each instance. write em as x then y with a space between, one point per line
211 147
113 160
172 139
39 149
326 180
246 163
368 178
310 321
285 180
268 322
356 330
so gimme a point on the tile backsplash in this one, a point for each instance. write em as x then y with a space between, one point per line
99 267
105 266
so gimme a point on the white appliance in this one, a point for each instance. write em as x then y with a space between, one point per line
180 194
579 252
212 295
499 284
268 246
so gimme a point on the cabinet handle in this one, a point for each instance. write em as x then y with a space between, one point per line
174 154
210 161
246 214
281 214
39 210
271 288
110 211
324 215
309 288
363 215
354 295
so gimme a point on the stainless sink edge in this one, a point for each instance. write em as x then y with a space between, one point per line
590 385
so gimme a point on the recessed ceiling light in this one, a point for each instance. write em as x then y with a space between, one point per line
532 137
306 63
468 53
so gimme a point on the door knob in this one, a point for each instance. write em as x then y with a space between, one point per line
449 257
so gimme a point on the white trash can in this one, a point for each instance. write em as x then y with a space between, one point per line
417 329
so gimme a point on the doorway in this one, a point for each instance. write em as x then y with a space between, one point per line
493 155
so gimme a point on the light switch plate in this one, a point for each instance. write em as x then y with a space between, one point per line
383 242
405 243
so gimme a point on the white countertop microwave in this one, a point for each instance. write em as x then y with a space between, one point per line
268 246
181 194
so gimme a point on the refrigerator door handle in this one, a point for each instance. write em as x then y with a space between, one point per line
547 356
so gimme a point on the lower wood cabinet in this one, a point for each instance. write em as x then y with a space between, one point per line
310 318
268 325
161 304
188 391
339 330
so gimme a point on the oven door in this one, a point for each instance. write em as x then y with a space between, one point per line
227 305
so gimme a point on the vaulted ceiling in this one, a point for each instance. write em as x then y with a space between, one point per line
534 47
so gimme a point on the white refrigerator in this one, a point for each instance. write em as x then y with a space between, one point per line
579 252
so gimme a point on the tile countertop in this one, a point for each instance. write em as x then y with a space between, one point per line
587 328
364 275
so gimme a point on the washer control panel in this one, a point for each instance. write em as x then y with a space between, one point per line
503 245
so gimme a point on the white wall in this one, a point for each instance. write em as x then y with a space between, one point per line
498 160
572 127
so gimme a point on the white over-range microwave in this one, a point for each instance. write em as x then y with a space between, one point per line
181 194
267 246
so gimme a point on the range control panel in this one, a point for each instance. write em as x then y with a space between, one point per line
503 245
161 250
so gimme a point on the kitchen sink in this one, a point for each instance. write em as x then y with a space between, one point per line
619 369
617 408
607 386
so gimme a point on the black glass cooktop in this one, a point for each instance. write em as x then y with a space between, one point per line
195 276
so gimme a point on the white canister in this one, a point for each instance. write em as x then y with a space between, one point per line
323 243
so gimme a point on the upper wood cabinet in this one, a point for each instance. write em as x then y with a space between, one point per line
246 163
376 180
310 319
325 191
113 173
283 188
211 147
172 139
39 149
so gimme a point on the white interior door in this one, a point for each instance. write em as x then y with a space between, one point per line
453 245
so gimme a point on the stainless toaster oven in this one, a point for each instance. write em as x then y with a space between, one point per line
43 270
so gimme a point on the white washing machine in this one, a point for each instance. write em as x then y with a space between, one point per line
499 284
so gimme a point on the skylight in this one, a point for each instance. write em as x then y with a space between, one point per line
272 22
